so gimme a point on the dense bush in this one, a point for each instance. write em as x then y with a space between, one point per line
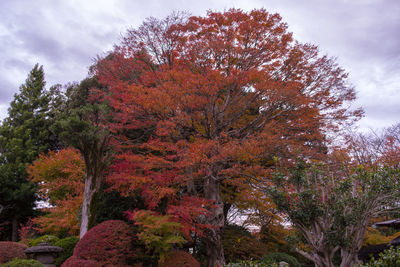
50 239
109 243
279 256
22 263
239 244
251 264
179 258
75 262
388 258
67 244
11 250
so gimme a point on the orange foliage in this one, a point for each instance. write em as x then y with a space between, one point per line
60 176
205 100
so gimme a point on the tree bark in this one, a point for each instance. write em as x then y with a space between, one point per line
14 233
216 218
92 187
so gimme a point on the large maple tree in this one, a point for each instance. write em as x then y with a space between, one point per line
201 102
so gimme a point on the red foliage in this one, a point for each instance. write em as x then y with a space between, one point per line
11 250
73 261
179 258
207 101
109 243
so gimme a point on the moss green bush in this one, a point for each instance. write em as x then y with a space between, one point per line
279 256
50 239
67 244
388 258
22 263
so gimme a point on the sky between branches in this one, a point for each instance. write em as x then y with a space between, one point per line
65 37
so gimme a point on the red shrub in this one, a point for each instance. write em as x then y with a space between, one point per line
75 262
109 243
179 258
11 250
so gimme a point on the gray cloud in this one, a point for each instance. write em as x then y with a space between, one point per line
65 36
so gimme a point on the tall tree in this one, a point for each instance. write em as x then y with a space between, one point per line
331 208
23 135
216 99
82 125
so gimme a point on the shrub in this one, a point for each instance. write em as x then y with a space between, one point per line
50 239
109 243
67 244
22 263
11 250
252 264
388 258
239 244
179 258
279 256
75 262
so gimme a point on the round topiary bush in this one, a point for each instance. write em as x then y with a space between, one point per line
75 262
22 263
11 250
179 258
67 244
109 243
50 239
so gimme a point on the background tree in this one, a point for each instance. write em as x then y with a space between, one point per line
331 209
24 134
82 124
60 176
216 98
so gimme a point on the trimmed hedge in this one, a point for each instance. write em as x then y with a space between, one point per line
22 263
11 250
109 243
179 258
75 262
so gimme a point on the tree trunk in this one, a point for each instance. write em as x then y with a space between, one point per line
349 259
14 233
214 249
92 187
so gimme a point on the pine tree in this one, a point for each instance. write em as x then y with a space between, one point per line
24 134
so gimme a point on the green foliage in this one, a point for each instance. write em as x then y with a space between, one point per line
24 134
250 263
50 239
22 263
388 258
330 208
67 244
158 233
279 256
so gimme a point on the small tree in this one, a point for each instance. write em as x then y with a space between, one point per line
331 210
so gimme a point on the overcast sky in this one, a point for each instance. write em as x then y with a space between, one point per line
65 35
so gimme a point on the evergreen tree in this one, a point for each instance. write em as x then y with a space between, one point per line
24 134
82 124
